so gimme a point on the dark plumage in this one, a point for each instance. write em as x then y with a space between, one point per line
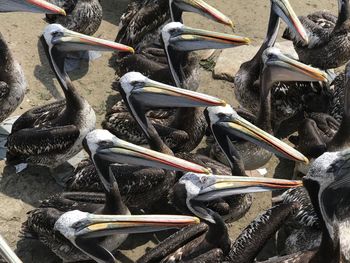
252 239
83 16
329 46
321 133
275 63
303 229
50 135
288 98
327 183
41 222
140 27
194 244
12 81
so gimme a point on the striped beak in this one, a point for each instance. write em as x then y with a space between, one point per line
42 6
32 6
104 225
279 67
202 8
220 186
124 152
285 11
156 94
185 38
230 124
73 41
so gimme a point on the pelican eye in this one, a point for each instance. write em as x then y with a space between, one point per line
104 143
56 33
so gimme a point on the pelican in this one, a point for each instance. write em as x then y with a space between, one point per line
288 98
141 26
277 67
327 183
50 135
189 196
328 45
245 82
13 84
78 226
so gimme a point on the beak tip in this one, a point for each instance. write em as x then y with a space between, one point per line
207 171
231 24
131 50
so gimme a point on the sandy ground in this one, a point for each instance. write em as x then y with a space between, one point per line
21 193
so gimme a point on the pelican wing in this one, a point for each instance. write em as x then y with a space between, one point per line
36 141
39 116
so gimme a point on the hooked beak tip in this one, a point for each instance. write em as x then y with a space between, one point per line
63 12
231 24
246 41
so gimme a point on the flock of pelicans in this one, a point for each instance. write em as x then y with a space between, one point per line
124 188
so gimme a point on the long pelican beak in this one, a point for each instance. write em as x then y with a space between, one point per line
219 186
279 67
33 6
284 10
103 225
124 152
156 94
46 7
7 253
192 39
204 9
73 41
235 126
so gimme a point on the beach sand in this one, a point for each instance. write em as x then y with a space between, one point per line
19 193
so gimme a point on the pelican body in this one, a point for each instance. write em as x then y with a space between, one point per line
50 135
13 84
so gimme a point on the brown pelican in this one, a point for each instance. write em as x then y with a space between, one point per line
12 81
288 99
50 135
141 26
189 195
245 86
328 45
175 127
83 16
327 183
277 68
78 226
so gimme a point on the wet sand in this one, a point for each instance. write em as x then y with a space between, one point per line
19 193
